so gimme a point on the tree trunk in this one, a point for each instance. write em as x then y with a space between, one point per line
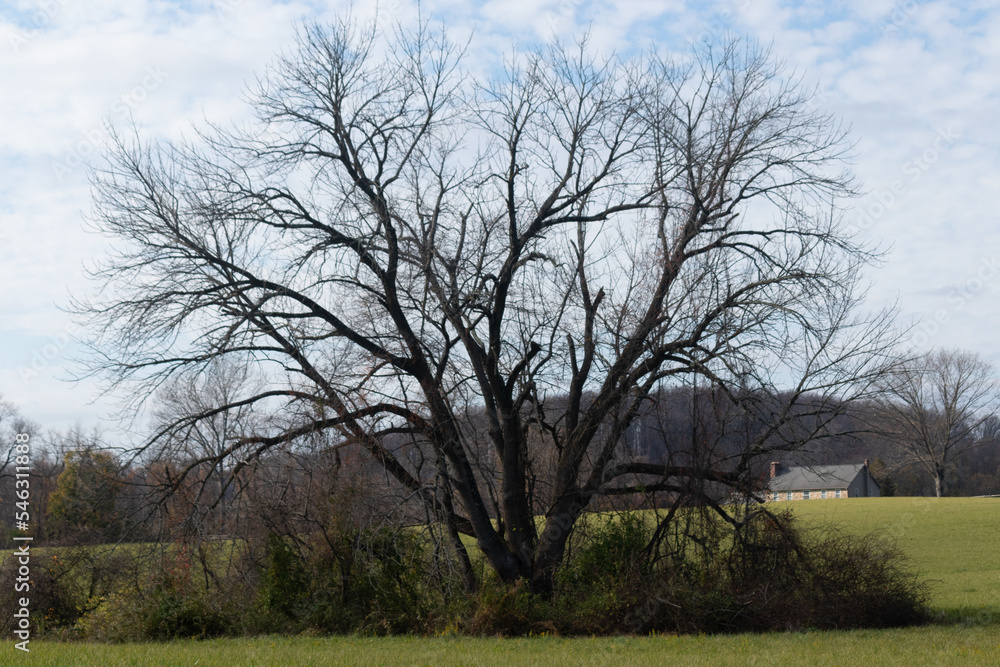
518 515
552 542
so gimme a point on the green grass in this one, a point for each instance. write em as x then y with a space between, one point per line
953 542
914 646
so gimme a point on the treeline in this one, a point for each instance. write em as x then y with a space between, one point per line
83 492
346 558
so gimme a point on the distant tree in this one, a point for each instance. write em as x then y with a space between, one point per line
881 474
190 431
936 407
86 494
400 242
12 423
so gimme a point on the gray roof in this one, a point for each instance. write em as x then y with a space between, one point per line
816 477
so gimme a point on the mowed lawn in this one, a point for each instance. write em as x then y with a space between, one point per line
955 542
935 645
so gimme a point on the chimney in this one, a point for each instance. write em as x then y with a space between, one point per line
775 467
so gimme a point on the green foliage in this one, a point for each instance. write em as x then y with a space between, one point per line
157 597
57 598
509 611
283 583
383 585
66 584
375 581
772 575
176 606
767 575
776 573
85 495
615 548
598 590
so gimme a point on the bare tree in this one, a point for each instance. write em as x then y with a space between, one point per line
935 408
12 423
396 245
194 422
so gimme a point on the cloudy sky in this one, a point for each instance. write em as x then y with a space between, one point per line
917 81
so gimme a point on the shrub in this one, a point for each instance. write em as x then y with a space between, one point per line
707 577
704 576
66 583
372 580
599 588
509 610
774 577
176 607
159 600
388 584
55 600
284 583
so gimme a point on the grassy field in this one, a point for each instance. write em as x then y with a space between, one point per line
954 542
915 646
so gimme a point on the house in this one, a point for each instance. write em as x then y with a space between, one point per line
808 482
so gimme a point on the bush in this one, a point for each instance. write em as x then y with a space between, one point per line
864 582
284 583
774 577
387 586
372 580
767 575
508 611
66 583
603 583
703 576
159 600
55 599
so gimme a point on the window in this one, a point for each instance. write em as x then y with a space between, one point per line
822 494
837 492
805 495
788 495
774 496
